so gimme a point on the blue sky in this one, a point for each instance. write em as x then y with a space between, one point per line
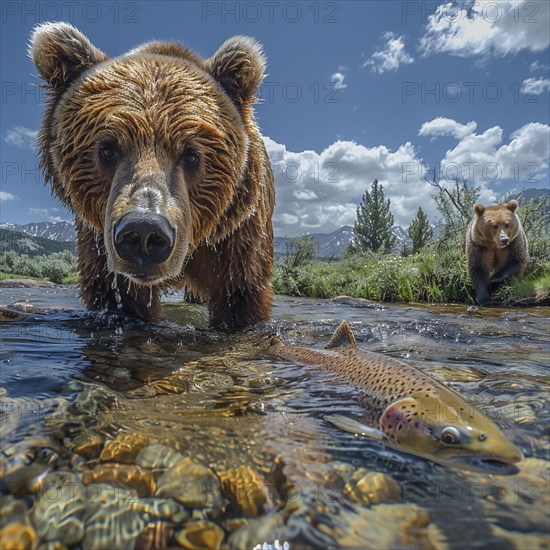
355 91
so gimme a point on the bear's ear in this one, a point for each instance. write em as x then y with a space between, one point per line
512 205
479 209
238 66
61 52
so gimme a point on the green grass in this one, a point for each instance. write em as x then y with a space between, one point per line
71 279
437 274
6 276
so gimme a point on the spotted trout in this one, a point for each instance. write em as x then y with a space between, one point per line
407 409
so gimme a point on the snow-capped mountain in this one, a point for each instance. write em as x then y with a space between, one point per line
55 231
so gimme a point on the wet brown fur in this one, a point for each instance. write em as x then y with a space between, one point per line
155 101
488 260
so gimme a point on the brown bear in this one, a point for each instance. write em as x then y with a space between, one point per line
496 247
158 155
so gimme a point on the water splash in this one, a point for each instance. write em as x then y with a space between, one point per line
98 242
118 297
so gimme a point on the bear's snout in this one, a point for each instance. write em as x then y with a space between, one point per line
143 239
504 239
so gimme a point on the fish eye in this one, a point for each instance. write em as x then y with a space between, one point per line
482 437
450 435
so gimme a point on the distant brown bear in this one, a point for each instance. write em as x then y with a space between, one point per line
158 155
496 247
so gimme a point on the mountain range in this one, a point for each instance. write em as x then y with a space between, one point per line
55 231
32 238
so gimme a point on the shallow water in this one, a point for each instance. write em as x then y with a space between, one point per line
87 397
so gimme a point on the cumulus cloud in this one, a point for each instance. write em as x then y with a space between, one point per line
391 56
486 160
5 197
22 137
538 66
48 213
319 192
338 80
442 126
535 86
487 27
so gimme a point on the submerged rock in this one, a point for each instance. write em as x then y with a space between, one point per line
59 512
368 488
191 484
158 458
124 448
244 488
200 535
16 530
88 444
113 525
130 476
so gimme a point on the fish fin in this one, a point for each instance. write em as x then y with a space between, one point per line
355 427
343 336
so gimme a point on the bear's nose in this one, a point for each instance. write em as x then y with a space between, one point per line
144 238
504 240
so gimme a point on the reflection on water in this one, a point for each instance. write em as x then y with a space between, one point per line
116 434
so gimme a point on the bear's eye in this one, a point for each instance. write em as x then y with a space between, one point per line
190 157
108 152
495 226
507 225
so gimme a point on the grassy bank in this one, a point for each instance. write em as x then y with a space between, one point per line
59 267
435 274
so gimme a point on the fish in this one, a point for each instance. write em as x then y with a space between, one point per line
408 410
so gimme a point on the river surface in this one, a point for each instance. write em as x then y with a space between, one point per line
117 434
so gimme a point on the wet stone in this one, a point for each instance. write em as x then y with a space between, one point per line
191 484
200 535
368 488
160 509
58 514
124 448
88 444
155 536
16 530
131 476
113 525
244 488
158 458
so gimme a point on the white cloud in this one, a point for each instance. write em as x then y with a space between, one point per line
485 160
22 137
5 197
442 126
338 80
319 192
47 213
535 86
487 27
538 66
391 56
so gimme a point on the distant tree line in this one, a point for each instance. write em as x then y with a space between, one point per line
54 267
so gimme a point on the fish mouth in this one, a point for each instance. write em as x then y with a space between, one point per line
492 464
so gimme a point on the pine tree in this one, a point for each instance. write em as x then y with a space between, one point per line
373 228
420 231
